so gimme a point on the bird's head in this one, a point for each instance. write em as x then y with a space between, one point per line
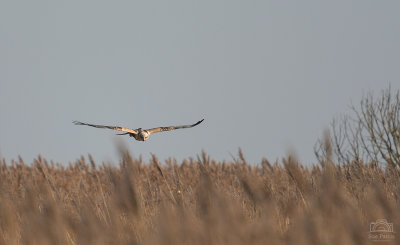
143 134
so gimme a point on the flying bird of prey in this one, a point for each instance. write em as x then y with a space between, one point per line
139 134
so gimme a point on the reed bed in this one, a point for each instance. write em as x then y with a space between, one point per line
196 201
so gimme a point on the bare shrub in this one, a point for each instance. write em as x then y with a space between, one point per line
370 134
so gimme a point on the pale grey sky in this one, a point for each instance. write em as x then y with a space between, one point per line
266 75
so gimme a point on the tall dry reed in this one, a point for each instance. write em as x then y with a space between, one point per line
197 201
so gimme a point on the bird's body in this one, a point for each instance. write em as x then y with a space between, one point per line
142 135
139 134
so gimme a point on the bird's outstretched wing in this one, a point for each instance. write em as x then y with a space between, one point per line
161 129
128 130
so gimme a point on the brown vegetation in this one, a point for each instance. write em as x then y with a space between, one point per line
198 201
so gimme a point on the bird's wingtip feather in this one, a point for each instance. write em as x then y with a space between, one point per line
77 123
198 122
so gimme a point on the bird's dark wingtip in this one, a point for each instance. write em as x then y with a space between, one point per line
198 122
77 123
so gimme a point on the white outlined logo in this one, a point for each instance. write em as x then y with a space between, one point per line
381 230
